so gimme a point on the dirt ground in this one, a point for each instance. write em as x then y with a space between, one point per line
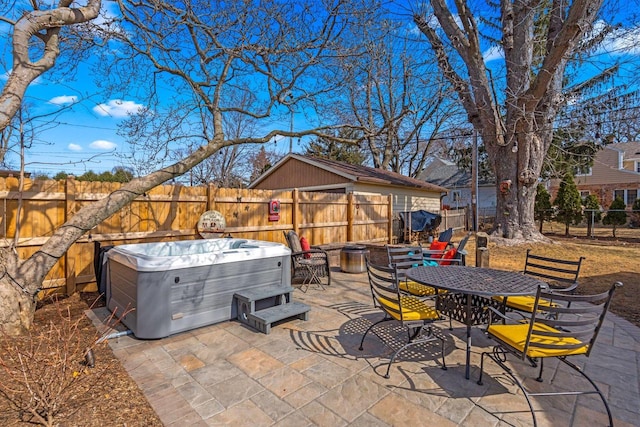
111 398
114 399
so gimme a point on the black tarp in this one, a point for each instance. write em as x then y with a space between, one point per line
420 220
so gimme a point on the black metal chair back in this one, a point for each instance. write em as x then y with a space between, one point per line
567 327
412 312
558 273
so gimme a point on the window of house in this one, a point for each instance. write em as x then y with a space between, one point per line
637 166
456 196
586 171
632 195
620 194
584 194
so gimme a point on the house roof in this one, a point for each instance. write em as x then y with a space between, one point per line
355 173
630 150
447 174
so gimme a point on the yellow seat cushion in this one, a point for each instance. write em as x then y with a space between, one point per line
524 302
412 309
516 335
415 288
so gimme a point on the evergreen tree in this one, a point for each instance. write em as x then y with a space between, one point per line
122 174
635 214
89 176
261 162
593 214
60 175
543 210
340 151
568 203
616 214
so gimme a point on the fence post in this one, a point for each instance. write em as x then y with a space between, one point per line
295 213
390 219
349 217
446 222
69 255
211 196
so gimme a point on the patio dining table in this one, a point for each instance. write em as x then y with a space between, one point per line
470 290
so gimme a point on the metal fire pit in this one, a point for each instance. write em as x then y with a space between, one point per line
352 259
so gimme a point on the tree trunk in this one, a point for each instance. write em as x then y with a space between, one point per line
516 136
16 305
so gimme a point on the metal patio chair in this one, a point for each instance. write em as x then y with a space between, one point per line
403 258
410 311
567 328
560 274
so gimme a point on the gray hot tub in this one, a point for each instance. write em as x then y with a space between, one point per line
177 286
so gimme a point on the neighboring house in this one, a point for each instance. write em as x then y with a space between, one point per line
315 174
615 173
447 174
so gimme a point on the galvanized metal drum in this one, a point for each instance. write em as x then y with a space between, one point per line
352 259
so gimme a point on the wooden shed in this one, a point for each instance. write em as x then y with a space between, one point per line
329 176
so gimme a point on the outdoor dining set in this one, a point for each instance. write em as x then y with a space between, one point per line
532 315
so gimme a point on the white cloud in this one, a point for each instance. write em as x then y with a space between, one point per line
623 41
102 144
118 108
63 100
493 53
74 147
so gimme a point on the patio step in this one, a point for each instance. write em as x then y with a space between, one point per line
261 307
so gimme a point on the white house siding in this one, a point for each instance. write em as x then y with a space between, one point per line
404 200
486 197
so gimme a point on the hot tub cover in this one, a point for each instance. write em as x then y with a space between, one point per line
190 253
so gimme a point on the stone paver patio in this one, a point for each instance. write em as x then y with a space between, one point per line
311 372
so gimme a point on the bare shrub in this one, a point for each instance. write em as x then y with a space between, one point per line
47 373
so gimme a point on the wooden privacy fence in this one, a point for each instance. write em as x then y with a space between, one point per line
171 212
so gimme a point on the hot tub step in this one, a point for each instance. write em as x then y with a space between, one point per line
262 319
257 294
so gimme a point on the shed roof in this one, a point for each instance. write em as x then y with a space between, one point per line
353 173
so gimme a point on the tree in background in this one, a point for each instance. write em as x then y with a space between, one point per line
205 53
261 162
540 42
328 148
568 203
592 212
393 97
635 214
616 214
543 208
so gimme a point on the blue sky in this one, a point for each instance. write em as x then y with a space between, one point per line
86 138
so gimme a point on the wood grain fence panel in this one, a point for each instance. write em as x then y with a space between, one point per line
172 212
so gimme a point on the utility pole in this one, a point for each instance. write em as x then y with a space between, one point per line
291 130
474 180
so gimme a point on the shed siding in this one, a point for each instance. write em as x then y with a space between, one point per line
301 175
404 199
